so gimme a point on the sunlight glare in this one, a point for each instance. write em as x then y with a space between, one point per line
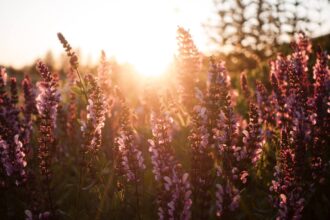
148 44
155 65
141 33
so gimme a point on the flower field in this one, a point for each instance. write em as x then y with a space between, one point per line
76 145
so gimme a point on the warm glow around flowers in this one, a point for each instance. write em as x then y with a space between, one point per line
141 33
147 44
127 115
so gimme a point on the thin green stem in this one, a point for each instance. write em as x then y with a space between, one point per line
101 206
79 188
83 88
50 200
137 199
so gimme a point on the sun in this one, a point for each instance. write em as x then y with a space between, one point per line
150 44
148 52
152 63
146 39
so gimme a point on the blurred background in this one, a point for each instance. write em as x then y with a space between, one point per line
139 37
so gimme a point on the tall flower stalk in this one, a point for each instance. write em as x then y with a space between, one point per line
72 107
189 65
29 109
303 122
174 192
321 117
91 131
253 139
202 163
130 162
74 61
47 102
231 175
104 72
96 110
12 151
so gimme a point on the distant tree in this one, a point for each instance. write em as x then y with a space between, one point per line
254 27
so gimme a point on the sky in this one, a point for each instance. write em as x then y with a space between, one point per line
141 32
137 31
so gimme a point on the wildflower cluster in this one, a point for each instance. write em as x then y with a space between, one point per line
214 142
12 152
202 166
46 103
230 175
74 61
263 154
96 110
189 64
302 116
131 162
29 108
174 192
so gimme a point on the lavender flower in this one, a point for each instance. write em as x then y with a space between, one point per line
297 101
4 99
47 104
321 117
131 162
289 200
9 110
96 110
282 116
253 136
12 152
227 197
214 132
28 109
20 162
74 61
5 159
244 86
216 79
303 122
68 49
104 73
189 64
13 110
280 68
202 165
174 188
71 122
264 103
14 165
230 172
48 97
40 216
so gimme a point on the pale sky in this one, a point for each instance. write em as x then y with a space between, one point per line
135 31
141 32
